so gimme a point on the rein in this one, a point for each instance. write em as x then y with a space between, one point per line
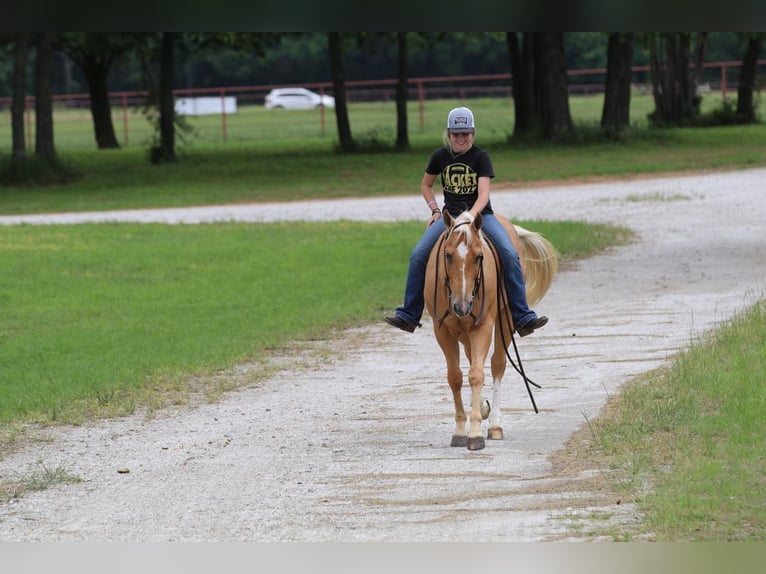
502 295
442 239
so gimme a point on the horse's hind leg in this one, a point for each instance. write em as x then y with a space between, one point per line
499 362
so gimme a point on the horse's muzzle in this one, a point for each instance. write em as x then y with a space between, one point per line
462 308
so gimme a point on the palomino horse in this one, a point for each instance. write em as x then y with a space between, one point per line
468 304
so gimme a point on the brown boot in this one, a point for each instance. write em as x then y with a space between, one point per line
531 326
400 323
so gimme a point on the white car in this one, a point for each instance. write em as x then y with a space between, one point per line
297 99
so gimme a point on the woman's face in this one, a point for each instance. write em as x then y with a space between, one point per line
461 142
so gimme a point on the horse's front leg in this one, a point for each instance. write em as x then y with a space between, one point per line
451 351
480 341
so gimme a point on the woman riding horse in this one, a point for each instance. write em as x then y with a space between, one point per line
465 171
471 308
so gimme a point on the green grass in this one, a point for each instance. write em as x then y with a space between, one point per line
688 441
94 314
101 319
580 240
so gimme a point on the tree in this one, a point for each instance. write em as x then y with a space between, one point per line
526 120
160 48
44 148
166 45
539 82
616 112
335 48
94 53
551 86
167 148
747 80
674 80
18 104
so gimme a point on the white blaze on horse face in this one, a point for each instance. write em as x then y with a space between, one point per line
462 250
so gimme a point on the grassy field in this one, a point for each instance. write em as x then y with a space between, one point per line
686 442
371 122
100 320
290 160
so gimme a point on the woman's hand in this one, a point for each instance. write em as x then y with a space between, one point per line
434 218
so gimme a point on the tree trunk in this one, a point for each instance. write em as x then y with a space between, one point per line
341 109
615 116
673 82
523 83
696 72
44 148
552 91
402 137
167 149
96 71
18 104
747 80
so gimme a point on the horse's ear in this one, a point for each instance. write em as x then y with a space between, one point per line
477 221
447 217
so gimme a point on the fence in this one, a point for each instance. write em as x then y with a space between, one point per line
130 125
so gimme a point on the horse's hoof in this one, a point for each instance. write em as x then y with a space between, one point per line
485 409
475 443
495 433
459 440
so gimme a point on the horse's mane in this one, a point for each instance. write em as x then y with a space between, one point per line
461 224
464 217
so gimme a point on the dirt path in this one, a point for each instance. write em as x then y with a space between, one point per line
350 441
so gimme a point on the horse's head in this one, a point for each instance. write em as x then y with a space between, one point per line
463 261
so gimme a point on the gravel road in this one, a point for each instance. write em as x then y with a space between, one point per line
349 439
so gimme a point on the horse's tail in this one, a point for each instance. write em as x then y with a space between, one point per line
541 262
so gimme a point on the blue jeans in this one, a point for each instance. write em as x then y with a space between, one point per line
414 301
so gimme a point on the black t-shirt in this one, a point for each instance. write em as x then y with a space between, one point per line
460 177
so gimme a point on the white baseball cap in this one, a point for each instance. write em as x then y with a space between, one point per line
460 121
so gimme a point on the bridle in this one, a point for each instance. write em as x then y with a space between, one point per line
478 284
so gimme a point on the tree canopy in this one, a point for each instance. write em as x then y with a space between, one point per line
228 59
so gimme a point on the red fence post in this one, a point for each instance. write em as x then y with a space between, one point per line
28 117
421 98
124 100
723 82
223 114
321 110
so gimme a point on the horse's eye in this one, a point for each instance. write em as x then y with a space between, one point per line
448 257
479 259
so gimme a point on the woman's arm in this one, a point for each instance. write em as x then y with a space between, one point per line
427 190
483 198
